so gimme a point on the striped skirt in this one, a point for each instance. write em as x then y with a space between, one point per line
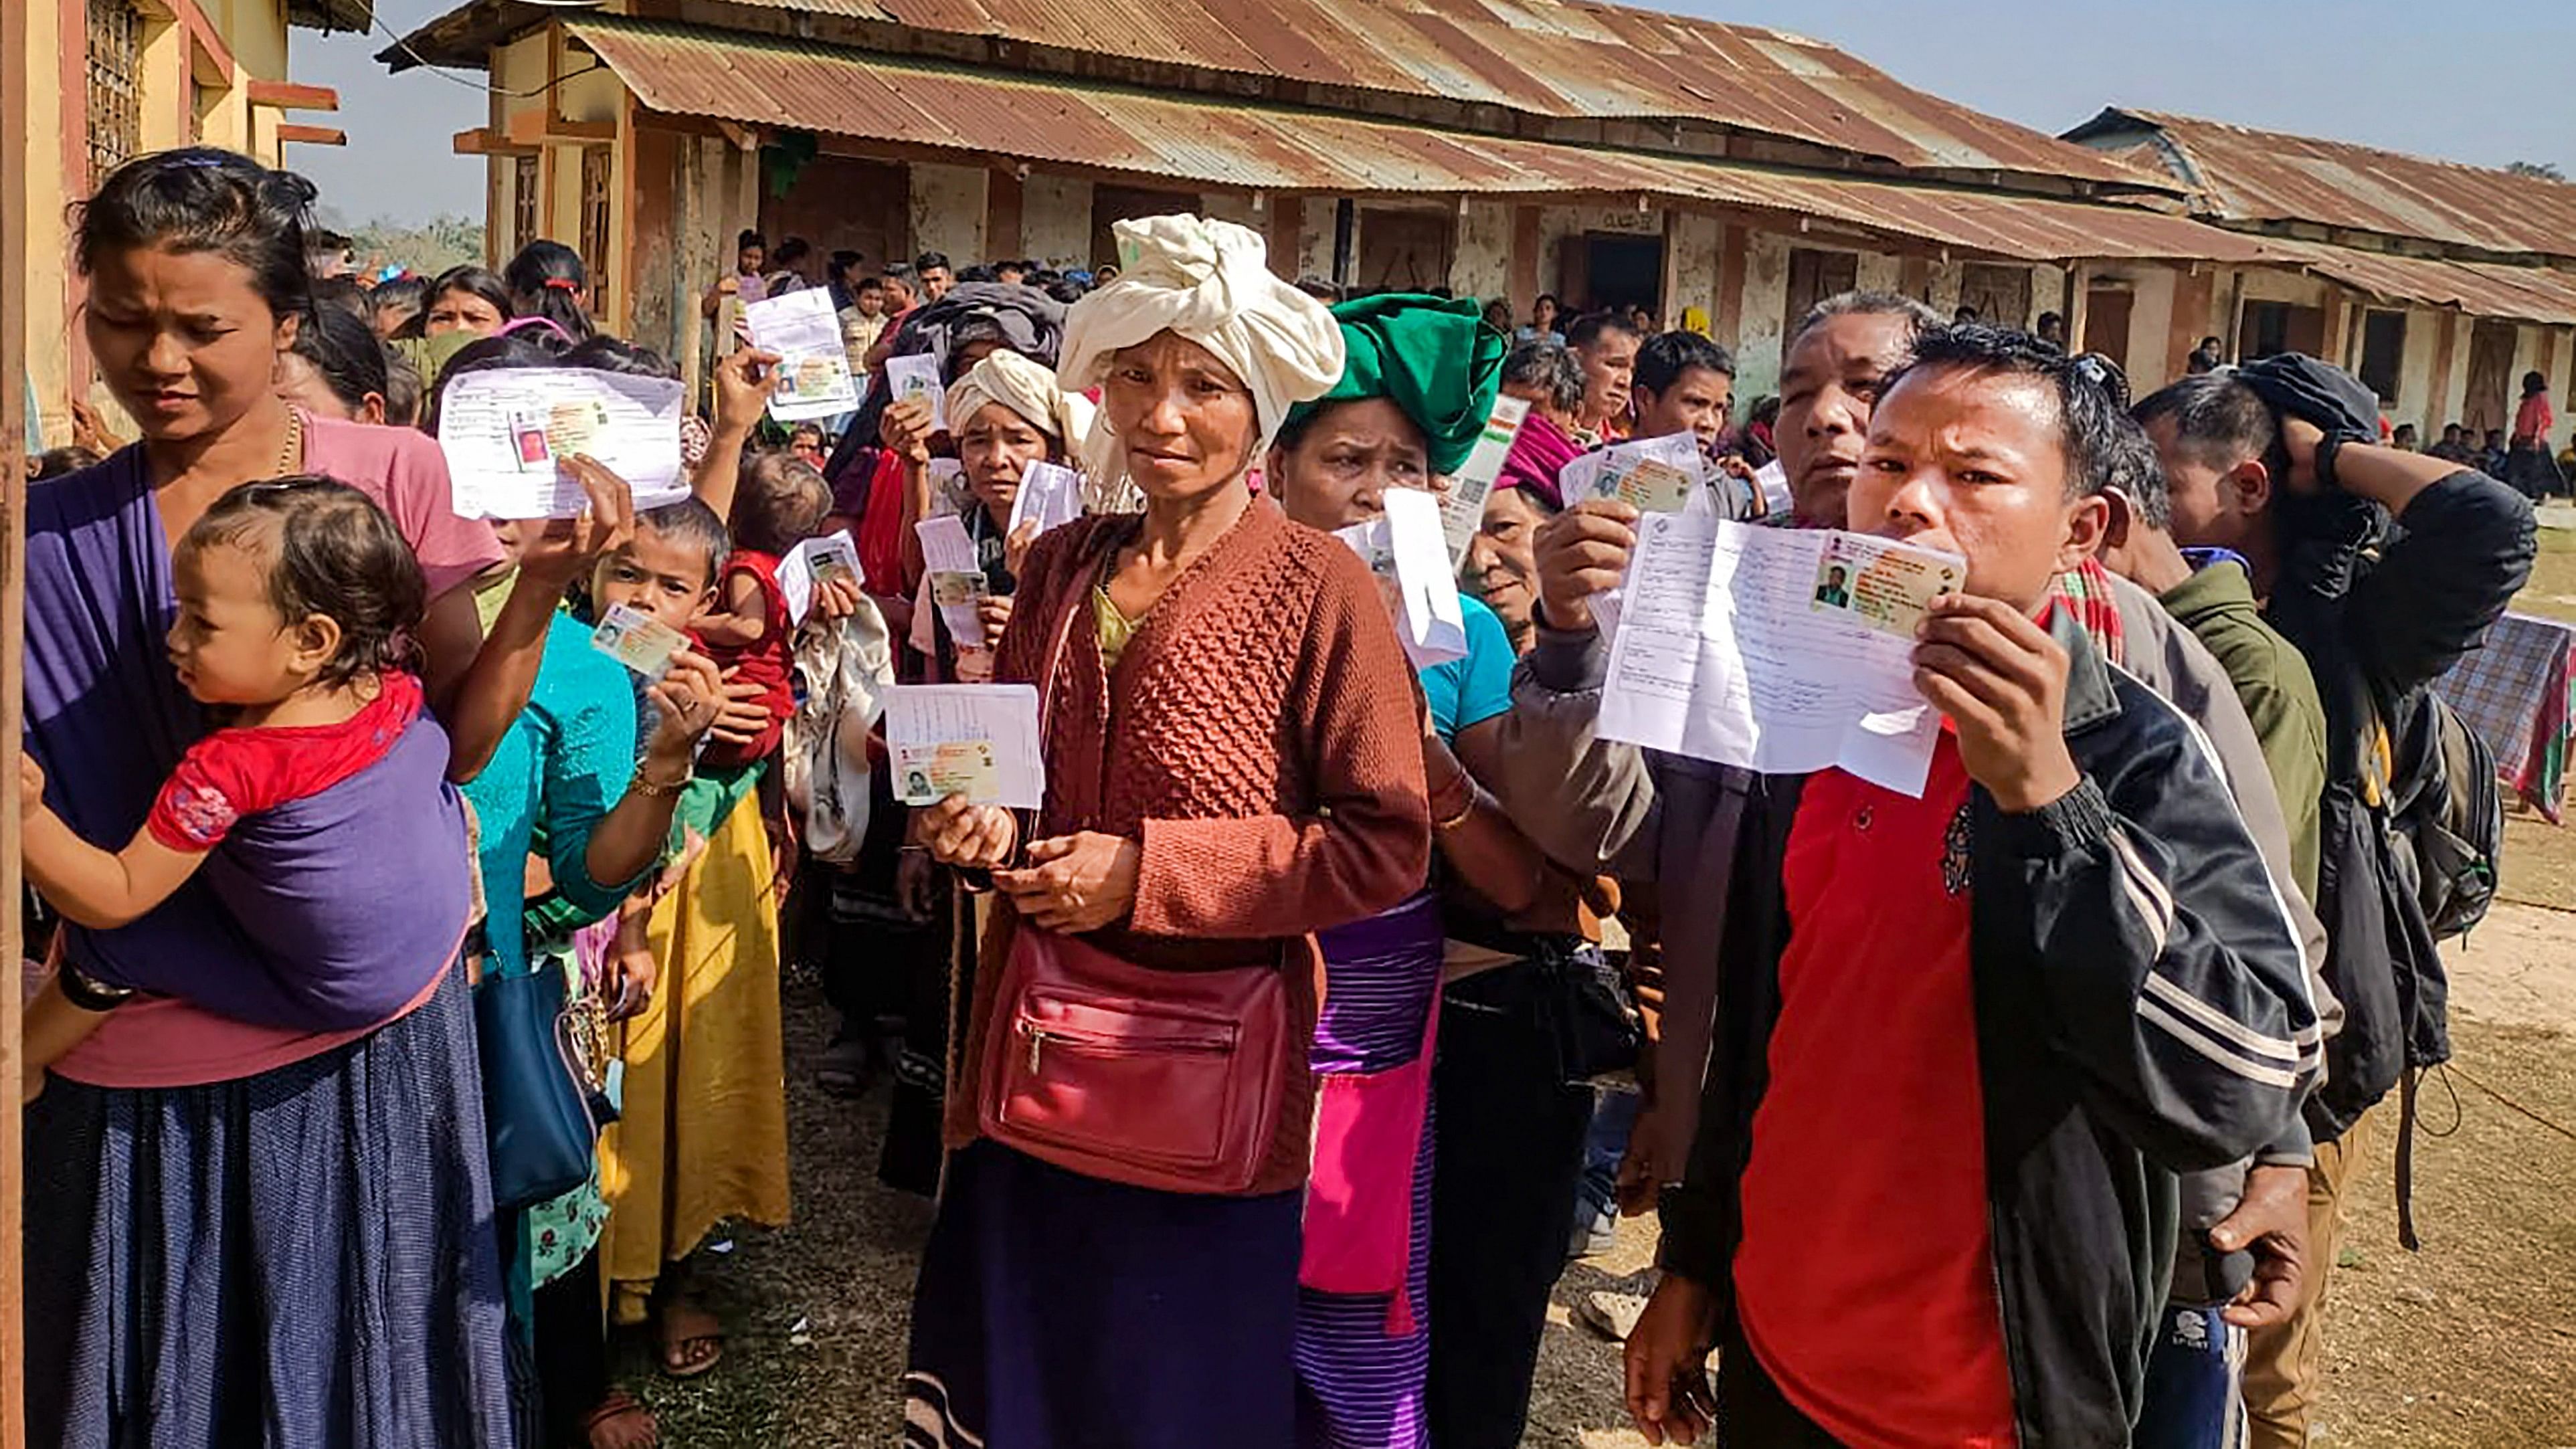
1363 1357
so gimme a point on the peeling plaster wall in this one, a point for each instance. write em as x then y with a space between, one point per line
948 210
1055 219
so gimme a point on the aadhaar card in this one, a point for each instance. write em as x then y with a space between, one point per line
1881 583
925 774
637 640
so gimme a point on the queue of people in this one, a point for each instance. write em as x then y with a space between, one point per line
1268 1074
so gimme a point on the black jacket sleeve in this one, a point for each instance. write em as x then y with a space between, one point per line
2467 546
2167 963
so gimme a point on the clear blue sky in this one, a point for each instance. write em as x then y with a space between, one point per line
2485 84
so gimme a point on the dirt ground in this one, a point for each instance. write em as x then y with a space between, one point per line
2468 1344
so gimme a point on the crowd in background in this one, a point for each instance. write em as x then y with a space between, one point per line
1268 1075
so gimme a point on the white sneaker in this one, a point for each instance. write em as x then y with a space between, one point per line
1609 1313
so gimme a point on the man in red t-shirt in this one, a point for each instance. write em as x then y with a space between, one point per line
1966 1039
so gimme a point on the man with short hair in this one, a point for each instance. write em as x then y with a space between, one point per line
1605 343
863 321
936 277
2450 448
1682 383
2382 568
1984 1013
2207 356
2052 329
1012 273
2491 458
750 255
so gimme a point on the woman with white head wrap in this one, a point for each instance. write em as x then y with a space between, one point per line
1233 761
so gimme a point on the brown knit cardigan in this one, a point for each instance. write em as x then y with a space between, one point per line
1259 738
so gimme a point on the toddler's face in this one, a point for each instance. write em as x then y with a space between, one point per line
229 644
662 576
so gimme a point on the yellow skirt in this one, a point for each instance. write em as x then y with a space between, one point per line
702 1134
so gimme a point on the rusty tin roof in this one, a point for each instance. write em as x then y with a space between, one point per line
975 111
2240 174
1563 60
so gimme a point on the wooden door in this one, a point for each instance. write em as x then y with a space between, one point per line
842 203
1113 204
1814 276
2106 323
1402 251
2488 404
2001 294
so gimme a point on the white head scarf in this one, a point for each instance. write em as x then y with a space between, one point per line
1027 388
1210 282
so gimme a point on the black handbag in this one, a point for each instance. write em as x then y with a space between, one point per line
1598 1032
541 1108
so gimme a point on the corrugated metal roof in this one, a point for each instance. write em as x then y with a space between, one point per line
773 82
2248 175
2484 289
1565 59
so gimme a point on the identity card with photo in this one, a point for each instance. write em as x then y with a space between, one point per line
814 562
1886 585
508 433
637 640
812 376
976 740
915 378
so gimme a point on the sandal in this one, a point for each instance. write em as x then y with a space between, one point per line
692 1340
614 1424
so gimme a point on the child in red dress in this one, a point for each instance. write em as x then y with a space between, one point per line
747 632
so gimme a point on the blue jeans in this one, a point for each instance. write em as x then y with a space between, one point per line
2193 1381
1614 1115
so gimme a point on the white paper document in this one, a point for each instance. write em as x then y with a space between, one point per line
812 378
1050 493
816 561
1462 508
956 573
508 432
1404 546
976 740
915 378
1741 645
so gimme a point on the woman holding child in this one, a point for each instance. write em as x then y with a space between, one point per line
255 1210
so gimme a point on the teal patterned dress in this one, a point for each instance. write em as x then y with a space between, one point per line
563 765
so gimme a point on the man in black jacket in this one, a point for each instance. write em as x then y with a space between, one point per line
1967 1039
2382 567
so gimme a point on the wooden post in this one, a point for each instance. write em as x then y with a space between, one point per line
15 66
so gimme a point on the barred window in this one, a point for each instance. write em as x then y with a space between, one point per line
595 173
115 99
523 203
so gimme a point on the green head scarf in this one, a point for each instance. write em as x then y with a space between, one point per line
1434 358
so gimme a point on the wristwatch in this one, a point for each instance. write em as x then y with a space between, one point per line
2327 447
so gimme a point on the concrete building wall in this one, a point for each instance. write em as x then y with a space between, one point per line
1766 299
1055 219
1691 265
1482 264
948 210
1879 272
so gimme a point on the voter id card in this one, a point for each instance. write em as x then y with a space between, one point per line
926 774
1885 585
637 640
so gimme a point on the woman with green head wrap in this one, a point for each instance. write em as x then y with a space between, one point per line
1420 381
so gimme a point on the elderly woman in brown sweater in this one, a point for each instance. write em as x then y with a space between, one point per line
1233 762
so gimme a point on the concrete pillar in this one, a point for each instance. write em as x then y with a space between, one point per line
1480 264
1765 300
1055 220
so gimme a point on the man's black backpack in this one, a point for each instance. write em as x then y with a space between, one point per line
2445 811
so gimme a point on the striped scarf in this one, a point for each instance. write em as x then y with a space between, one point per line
2085 592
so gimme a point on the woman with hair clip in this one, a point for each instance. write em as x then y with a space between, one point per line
546 279
217 1189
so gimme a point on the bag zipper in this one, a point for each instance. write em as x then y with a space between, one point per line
1037 1035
